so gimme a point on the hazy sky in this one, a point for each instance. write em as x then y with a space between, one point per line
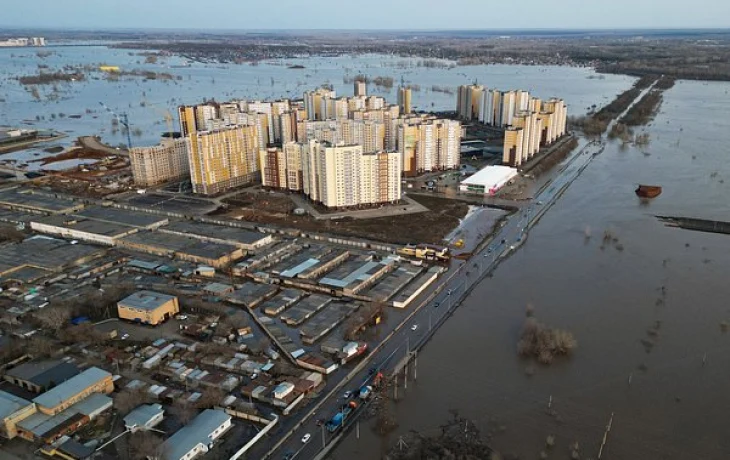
365 14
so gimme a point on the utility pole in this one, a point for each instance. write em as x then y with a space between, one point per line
405 376
415 367
605 436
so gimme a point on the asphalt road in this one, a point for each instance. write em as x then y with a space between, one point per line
460 277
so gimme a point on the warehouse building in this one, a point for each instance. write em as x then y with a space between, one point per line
240 237
40 376
488 180
80 228
198 436
37 203
148 307
216 255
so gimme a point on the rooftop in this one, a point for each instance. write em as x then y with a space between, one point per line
146 300
25 198
122 216
9 404
44 373
71 387
181 244
40 424
83 224
221 232
196 432
44 252
142 415
491 176
350 272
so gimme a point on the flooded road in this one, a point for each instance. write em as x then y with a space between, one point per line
640 349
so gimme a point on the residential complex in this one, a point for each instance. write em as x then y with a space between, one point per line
428 144
335 175
161 163
228 144
530 123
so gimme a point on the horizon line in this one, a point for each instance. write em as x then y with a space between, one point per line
266 29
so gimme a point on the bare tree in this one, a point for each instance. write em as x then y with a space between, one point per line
145 445
129 399
212 397
39 347
183 410
53 318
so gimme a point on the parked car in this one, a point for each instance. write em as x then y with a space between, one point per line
305 438
320 422
414 327
347 394
125 336
181 317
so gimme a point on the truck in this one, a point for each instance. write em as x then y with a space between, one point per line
335 422
425 252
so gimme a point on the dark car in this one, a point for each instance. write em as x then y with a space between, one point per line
320 422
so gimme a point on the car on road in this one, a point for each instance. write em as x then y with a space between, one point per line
306 438
181 317
414 327
539 203
503 241
288 455
449 292
436 304
320 422
347 394
489 249
125 336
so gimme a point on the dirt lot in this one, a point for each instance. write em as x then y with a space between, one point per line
77 153
427 227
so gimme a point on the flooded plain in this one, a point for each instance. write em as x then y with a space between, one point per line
649 309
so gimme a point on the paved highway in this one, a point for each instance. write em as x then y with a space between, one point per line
458 281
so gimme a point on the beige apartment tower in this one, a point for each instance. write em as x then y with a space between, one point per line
223 159
159 164
343 176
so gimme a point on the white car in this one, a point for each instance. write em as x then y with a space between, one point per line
125 336
414 327
305 438
181 317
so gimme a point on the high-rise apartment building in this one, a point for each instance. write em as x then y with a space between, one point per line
342 176
428 144
161 163
361 88
469 101
316 103
223 159
282 167
404 99
512 154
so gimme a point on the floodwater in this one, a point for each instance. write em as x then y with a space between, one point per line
146 101
668 394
